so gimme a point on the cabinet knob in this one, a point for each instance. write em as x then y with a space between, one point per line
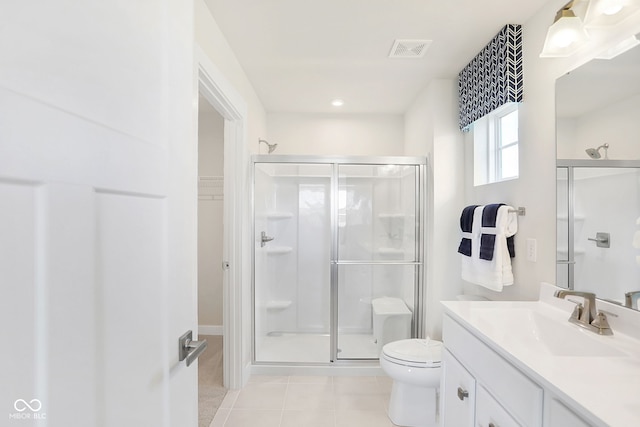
462 393
492 425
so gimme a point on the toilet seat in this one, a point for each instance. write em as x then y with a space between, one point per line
417 353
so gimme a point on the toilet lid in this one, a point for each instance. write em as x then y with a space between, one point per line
421 352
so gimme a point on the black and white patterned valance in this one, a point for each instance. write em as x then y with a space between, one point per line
493 78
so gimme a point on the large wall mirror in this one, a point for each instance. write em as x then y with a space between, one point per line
598 178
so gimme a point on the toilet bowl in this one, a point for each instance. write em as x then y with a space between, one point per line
391 320
414 366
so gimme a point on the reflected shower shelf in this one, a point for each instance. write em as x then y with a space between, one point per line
575 218
390 251
277 305
576 251
278 250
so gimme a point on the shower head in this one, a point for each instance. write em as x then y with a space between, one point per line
594 153
272 147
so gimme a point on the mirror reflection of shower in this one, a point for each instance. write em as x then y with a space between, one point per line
594 153
271 147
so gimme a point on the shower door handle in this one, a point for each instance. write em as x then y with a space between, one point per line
602 240
264 239
189 349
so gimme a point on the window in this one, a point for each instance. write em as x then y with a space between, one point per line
495 145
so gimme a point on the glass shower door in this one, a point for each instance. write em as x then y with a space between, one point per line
292 235
377 254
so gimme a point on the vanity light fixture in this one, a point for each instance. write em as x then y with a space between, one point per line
566 35
603 13
337 102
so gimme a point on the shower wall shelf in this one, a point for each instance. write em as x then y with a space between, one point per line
278 250
392 216
277 305
279 215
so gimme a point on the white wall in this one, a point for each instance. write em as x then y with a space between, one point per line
336 134
535 188
210 39
210 211
431 130
213 43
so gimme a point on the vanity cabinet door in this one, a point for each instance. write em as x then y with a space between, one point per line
489 413
458 393
558 415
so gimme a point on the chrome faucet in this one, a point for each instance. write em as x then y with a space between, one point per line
585 314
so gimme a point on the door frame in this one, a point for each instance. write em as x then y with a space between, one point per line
214 87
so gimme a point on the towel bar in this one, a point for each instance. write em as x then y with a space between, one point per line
520 211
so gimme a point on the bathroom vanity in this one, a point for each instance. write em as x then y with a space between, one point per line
521 363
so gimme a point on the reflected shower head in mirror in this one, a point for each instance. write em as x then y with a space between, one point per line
272 147
594 153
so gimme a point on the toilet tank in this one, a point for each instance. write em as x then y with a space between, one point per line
391 320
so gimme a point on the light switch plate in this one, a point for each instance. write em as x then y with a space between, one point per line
532 250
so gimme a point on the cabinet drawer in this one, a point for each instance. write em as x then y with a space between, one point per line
458 393
518 394
489 413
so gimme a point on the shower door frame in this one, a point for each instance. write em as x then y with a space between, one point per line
417 323
570 165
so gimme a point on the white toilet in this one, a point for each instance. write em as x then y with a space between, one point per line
414 366
391 321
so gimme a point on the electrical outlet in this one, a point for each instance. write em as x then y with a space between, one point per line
532 250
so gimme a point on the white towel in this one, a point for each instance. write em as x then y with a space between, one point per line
497 273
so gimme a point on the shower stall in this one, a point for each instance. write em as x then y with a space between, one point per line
598 226
331 235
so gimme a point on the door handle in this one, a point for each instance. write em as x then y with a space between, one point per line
189 349
602 240
264 239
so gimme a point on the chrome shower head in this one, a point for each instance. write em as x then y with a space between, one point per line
594 153
271 147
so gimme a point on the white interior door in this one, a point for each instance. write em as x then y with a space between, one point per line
97 213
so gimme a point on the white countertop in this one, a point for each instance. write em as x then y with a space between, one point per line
598 375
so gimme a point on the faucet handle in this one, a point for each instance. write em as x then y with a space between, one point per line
577 311
602 324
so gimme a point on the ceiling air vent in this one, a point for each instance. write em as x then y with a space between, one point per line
409 48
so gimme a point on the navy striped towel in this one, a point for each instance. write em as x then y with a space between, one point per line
466 225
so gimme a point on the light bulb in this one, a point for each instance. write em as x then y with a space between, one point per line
564 38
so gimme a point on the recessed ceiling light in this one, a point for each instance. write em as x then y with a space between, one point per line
337 102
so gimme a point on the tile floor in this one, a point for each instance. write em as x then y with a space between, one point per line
309 401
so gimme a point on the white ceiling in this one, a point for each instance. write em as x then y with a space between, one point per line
301 54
